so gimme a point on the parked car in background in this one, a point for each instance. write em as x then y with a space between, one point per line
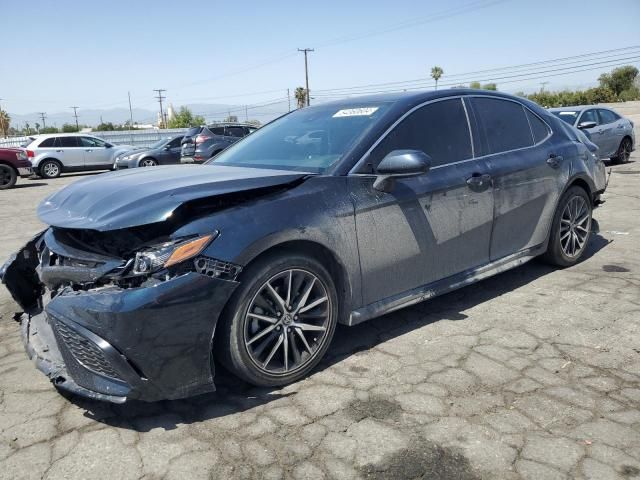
14 163
54 154
143 278
613 134
163 152
202 143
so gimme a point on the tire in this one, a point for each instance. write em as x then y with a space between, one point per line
148 162
624 151
50 169
8 177
251 332
571 228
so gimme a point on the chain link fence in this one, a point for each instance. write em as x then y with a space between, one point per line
137 138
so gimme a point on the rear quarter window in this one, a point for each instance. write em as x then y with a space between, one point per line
504 124
538 127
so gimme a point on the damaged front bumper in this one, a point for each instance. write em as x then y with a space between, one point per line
111 343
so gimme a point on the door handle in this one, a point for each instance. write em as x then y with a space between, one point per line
601 131
59 151
554 160
620 126
89 150
479 182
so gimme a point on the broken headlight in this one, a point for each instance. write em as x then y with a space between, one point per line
167 254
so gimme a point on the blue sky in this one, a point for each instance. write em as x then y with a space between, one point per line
61 53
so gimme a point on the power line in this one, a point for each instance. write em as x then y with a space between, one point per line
306 72
420 84
466 74
160 98
75 114
453 84
451 12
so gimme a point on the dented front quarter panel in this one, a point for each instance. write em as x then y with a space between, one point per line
319 211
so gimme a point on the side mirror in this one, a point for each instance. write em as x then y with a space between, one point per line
167 147
400 164
108 145
583 125
186 140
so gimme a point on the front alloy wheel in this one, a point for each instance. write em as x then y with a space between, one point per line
280 321
287 322
148 162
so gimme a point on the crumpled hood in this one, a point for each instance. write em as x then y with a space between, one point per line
141 196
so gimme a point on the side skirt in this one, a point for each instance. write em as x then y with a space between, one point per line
446 285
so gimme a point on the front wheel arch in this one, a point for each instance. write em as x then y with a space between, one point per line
331 262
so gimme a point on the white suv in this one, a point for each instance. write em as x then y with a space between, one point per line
53 154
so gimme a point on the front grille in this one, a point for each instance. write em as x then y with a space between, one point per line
216 268
85 351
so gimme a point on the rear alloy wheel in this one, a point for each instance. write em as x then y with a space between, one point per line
8 177
148 162
283 320
571 228
50 169
624 151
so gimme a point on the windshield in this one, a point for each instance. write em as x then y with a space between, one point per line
568 116
309 140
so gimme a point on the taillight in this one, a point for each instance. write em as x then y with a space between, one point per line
202 138
31 153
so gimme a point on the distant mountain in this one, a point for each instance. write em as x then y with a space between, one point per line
211 112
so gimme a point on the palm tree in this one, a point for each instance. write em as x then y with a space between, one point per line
301 96
5 120
436 73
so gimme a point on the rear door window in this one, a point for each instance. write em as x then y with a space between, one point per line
538 127
67 142
439 129
504 124
48 143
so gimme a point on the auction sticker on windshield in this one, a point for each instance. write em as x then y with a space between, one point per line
355 112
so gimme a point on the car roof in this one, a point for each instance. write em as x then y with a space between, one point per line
576 108
408 99
49 135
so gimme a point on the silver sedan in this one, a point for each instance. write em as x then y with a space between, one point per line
612 133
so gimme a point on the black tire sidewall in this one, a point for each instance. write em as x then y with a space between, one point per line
229 345
14 177
44 175
555 254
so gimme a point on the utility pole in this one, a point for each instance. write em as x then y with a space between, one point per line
160 98
130 111
289 98
306 71
246 114
43 115
542 84
75 114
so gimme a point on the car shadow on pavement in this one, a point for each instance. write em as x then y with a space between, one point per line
235 396
31 184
